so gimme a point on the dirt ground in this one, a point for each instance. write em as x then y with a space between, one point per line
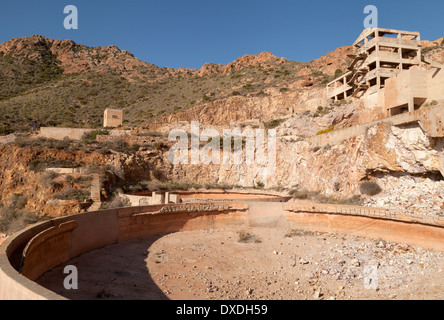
255 263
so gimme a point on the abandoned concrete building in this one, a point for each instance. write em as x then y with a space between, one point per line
389 72
112 118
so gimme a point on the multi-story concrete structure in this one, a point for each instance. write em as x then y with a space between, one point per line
388 71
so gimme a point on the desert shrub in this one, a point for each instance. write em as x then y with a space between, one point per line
273 123
248 86
221 186
47 179
299 233
428 49
43 143
158 174
14 217
150 134
370 188
85 181
338 73
246 237
299 194
337 186
17 201
260 185
303 194
118 171
92 135
161 146
117 202
73 194
173 185
118 145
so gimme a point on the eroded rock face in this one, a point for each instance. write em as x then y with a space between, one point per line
402 160
387 155
75 58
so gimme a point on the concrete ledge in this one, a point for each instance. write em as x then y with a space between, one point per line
377 213
429 118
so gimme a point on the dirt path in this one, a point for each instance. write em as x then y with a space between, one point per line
255 263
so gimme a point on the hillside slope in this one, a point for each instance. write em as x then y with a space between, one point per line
61 83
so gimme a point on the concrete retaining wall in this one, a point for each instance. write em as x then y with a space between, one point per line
62 133
426 232
33 251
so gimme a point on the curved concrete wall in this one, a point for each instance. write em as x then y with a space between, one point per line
37 249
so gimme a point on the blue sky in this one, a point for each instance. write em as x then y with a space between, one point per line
188 33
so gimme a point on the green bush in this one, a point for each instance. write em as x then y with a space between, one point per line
246 237
273 123
302 194
338 73
173 185
116 202
47 180
92 135
161 146
43 143
14 217
73 194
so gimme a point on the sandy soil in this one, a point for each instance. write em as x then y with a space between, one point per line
255 263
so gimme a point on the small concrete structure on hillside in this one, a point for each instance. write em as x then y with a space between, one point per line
389 72
156 198
112 118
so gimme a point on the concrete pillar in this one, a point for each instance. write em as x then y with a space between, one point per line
167 197
411 106
441 162
95 188
157 198
174 198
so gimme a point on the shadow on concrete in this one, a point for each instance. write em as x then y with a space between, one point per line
115 272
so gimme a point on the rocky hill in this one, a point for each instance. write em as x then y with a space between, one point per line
61 83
